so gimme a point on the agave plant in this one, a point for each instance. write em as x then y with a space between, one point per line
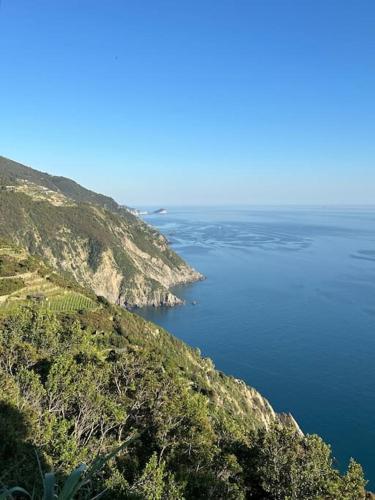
79 478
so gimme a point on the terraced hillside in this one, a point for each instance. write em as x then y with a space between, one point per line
25 280
89 236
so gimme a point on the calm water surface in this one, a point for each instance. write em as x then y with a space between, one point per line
289 306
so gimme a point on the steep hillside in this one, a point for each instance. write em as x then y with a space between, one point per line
89 236
27 281
78 376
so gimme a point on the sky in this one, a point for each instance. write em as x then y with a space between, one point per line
161 102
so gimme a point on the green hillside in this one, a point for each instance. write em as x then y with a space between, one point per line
89 236
78 380
12 172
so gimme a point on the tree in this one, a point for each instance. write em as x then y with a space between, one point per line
354 482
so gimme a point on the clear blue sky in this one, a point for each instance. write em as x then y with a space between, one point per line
194 101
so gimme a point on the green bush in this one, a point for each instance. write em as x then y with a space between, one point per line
10 285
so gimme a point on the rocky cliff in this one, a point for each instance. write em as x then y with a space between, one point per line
88 235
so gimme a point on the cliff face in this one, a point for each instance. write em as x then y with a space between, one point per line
101 244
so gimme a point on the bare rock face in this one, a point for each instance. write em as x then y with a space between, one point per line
107 279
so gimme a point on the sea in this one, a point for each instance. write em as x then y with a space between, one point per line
288 305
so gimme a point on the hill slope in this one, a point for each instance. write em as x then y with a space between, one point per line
88 235
76 380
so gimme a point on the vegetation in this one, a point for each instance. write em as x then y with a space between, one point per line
11 172
25 280
13 265
8 286
69 302
76 385
76 483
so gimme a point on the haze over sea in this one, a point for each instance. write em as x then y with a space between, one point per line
288 306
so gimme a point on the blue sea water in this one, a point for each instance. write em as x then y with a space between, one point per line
289 306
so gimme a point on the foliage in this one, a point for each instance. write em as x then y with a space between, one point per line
10 285
12 265
78 375
74 385
34 281
288 466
